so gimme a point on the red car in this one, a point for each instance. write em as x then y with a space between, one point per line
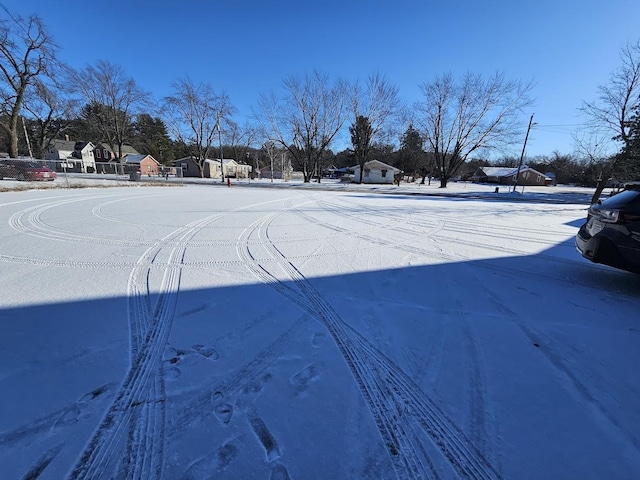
25 170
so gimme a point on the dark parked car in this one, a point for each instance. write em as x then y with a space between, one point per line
25 170
611 235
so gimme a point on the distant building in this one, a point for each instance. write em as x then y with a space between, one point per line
375 171
71 156
188 167
507 176
145 164
103 153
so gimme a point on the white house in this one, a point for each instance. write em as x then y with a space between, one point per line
232 169
72 156
375 171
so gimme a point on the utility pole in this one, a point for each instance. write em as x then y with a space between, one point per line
515 181
221 158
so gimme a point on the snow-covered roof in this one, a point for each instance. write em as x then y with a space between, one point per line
510 171
130 158
376 163
500 171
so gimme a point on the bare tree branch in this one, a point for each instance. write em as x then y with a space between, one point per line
26 53
307 119
195 114
459 118
108 90
612 110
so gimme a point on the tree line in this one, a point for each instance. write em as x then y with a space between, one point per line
451 129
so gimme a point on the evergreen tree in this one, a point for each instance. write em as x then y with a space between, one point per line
361 133
411 156
150 137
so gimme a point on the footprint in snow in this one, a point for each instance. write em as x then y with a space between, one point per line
279 472
207 352
305 377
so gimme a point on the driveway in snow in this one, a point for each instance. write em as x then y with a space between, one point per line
203 332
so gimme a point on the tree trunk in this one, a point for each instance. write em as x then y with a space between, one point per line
600 186
13 136
443 181
13 144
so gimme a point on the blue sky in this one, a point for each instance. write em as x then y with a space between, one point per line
244 47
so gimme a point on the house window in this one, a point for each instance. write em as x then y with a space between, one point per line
106 153
366 172
98 153
538 180
384 174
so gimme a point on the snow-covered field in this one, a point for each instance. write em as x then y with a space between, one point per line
201 332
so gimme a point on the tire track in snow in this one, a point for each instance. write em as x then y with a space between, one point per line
29 222
136 415
574 372
446 225
403 413
150 327
469 223
398 245
439 232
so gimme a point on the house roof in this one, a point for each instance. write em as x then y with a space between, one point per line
226 161
126 149
138 158
509 171
376 163
500 171
184 159
68 145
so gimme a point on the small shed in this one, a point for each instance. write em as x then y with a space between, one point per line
187 167
375 171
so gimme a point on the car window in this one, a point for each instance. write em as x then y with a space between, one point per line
627 197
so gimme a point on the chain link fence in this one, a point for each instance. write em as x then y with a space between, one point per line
75 174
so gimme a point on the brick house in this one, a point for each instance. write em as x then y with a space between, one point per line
507 175
145 164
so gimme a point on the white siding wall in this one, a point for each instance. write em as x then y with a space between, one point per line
374 175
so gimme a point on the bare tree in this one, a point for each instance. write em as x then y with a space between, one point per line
612 112
307 119
460 118
113 99
26 53
271 150
50 106
239 139
195 114
591 145
613 109
375 109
